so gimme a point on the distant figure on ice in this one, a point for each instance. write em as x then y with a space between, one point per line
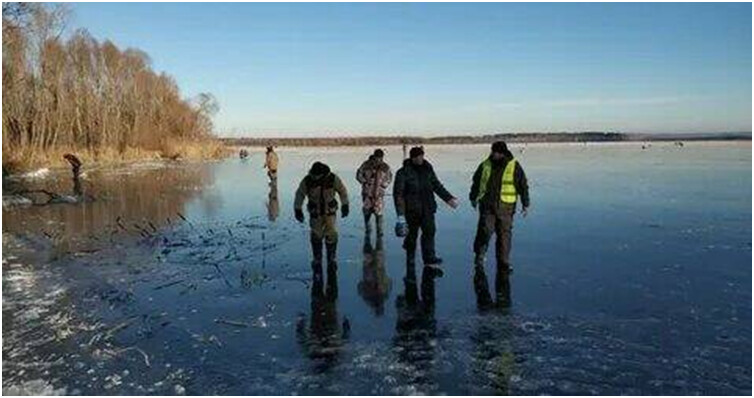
320 187
375 176
75 163
271 163
414 194
243 154
497 183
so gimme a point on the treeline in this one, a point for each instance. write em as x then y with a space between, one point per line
416 140
81 94
480 139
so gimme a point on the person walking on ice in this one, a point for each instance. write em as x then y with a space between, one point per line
375 176
414 190
271 164
320 188
497 184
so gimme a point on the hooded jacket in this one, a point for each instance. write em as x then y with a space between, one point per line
415 188
375 176
320 186
271 161
494 184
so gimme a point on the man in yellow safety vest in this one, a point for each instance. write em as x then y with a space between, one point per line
498 182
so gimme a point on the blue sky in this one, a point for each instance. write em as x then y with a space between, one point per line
336 69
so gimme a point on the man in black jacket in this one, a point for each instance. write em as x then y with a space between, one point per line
414 193
498 182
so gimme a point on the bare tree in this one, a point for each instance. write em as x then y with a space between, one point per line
83 94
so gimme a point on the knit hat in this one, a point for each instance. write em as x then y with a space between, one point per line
499 147
319 169
416 151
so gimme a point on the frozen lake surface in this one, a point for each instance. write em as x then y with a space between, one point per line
632 276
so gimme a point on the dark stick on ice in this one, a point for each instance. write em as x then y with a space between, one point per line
232 323
168 284
219 271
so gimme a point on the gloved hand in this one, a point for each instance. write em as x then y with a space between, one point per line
401 229
299 215
344 210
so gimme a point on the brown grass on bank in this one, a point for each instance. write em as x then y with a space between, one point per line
15 161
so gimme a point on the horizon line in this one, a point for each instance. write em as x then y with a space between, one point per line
343 135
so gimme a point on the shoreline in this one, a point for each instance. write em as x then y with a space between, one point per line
27 161
527 138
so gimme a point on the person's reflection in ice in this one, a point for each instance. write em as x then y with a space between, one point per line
502 290
416 327
375 284
322 339
273 205
493 360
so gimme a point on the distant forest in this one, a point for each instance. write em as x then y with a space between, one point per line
79 94
480 139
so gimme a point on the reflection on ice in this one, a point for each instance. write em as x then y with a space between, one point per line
375 284
195 278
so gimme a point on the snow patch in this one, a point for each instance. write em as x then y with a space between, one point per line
40 173
33 387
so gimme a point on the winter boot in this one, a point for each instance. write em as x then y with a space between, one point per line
432 265
428 287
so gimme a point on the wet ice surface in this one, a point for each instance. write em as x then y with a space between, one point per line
632 276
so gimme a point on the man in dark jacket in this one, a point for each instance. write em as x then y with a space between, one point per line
320 187
498 182
414 194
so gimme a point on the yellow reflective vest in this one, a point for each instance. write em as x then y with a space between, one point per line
507 188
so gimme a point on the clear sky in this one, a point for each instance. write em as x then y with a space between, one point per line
336 69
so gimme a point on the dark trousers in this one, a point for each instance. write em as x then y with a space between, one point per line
499 220
426 223
377 220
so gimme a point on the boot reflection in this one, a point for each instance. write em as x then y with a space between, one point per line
428 288
375 284
482 291
332 268
316 243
